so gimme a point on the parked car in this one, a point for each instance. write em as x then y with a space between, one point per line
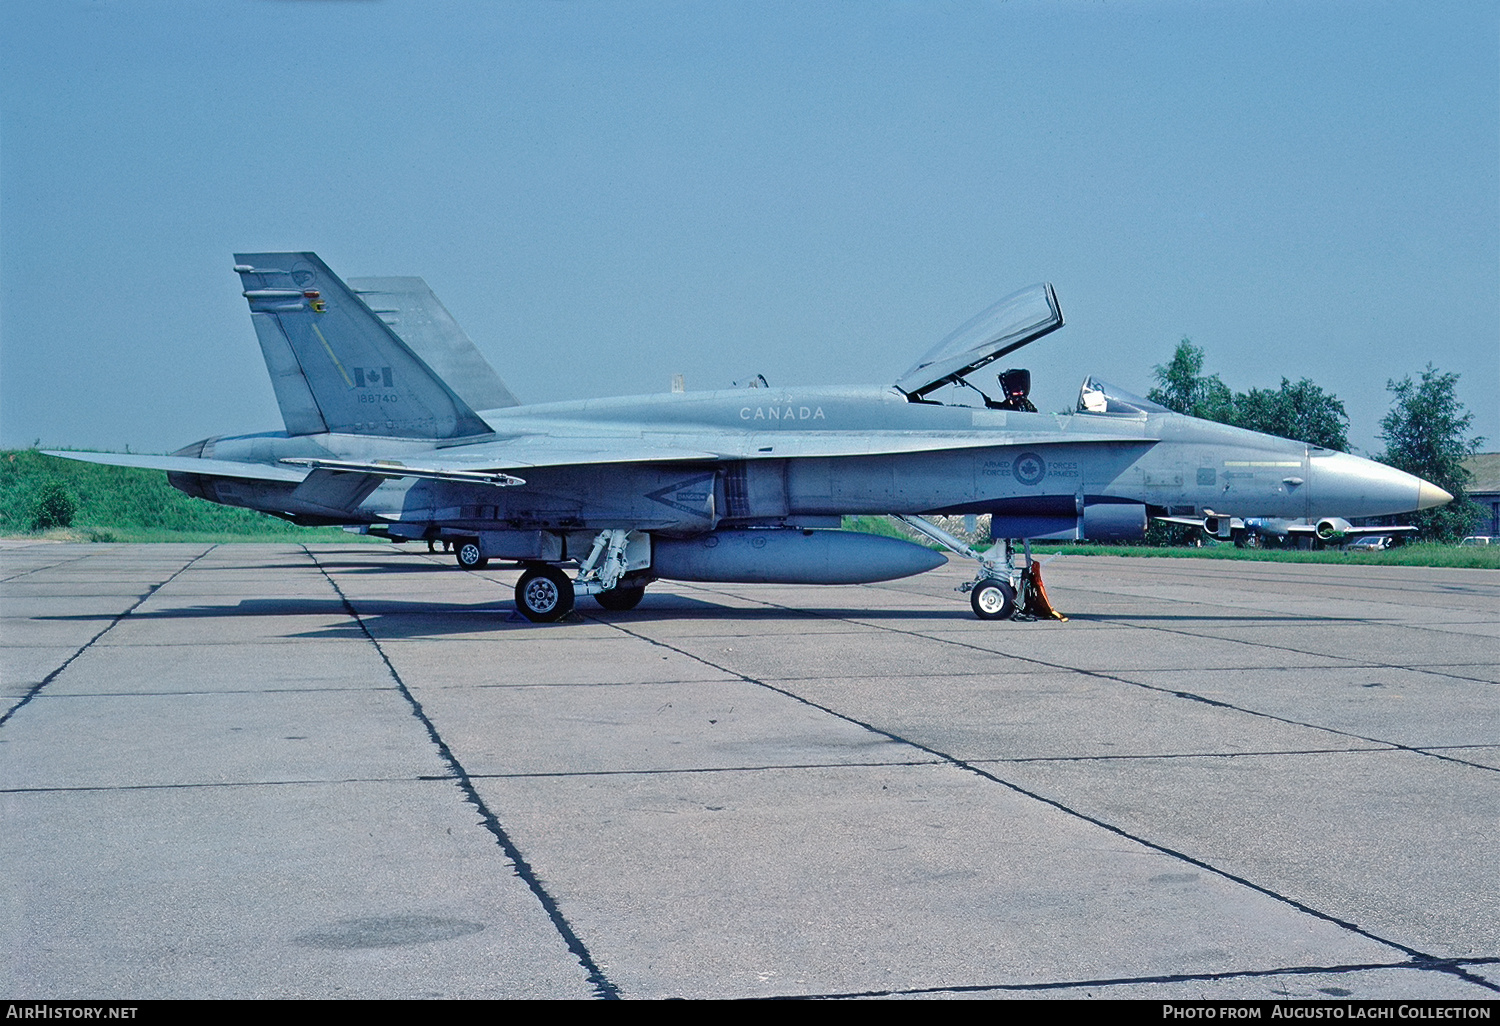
1370 543
1478 539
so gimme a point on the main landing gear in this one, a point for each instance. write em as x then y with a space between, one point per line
469 555
621 598
545 593
1001 590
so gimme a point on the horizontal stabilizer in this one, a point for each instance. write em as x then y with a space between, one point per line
335 491
185 465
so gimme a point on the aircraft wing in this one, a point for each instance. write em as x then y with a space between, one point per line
1311 531
186 465
525 451
1327 529
486 462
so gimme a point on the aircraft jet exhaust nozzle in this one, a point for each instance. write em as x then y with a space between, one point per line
1217 526
1331 528
1358 487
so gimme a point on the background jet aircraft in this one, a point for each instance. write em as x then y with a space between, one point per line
1251 530
603 496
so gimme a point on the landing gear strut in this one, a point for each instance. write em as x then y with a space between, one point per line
1001 590
546 593
602 574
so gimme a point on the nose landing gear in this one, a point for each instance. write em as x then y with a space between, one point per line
1000 591
993 600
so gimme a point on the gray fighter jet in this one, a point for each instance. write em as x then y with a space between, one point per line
603 496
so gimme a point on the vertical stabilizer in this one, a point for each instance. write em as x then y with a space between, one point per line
335 365
410 309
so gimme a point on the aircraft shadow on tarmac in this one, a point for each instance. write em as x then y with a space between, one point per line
1246 618
417 566
407 619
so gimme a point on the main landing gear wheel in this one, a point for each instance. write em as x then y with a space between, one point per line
470 556
544 594
993 600
620 599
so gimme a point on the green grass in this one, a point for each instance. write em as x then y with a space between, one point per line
126 504
1415 554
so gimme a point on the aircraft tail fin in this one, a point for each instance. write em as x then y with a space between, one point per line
335 365
409 307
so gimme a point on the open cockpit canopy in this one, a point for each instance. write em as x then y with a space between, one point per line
1017 319
1101 397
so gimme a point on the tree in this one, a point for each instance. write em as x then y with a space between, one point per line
1181 386
1426 434
1302 411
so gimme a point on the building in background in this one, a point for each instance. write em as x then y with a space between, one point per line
1484 489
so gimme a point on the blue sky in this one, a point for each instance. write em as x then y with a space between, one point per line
606 194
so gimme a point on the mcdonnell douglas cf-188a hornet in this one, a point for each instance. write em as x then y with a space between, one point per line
396 426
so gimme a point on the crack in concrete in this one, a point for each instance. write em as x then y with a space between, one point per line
1174 692
151 590
1449 966
39 569
971 767
603 987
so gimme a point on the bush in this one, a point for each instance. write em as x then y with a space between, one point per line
52 507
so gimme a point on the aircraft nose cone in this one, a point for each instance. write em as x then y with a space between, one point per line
1430 495
1351 486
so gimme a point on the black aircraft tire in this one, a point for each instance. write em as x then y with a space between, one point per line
470 555
621 599
993 600
544 594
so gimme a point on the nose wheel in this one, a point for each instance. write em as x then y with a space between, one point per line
544 594
993 600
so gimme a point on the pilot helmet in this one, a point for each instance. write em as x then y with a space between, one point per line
1016 383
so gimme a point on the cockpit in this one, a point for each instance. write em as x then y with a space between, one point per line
1100 397
1017 320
